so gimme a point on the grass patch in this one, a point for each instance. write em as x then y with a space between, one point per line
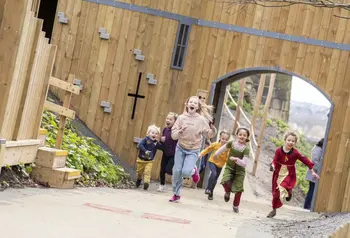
95 163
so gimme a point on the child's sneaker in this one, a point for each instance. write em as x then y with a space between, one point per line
290 194
138 183
210 195
235 209
207 192
227 197
145 186
161 188
196 176
174 198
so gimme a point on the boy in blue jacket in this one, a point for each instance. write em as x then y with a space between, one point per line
147 152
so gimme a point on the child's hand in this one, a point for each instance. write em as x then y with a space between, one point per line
183 128
272 168
314 174
162 139
233 158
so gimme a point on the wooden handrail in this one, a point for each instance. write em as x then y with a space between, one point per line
245 117
252 154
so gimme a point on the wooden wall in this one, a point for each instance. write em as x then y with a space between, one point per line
26 61
109 71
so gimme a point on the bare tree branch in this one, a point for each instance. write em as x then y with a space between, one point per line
287 3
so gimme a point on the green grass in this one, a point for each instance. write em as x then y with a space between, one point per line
95 163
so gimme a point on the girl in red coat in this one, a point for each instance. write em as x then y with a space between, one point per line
284 175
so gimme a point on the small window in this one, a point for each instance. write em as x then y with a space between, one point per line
180 48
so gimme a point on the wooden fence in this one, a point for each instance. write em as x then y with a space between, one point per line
26 63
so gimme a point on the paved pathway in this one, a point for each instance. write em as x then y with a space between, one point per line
103 212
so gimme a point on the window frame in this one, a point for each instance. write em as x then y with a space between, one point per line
183 45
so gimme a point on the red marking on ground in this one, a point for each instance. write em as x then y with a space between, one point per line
143 215
165 218
109 209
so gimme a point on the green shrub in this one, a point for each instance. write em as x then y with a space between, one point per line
276 141
268 122
282 126
95 163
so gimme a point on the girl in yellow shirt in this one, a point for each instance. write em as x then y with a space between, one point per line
215 165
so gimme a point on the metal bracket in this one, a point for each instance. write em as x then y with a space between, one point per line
150 79
77 82
107 107
103 33
61 18
138 55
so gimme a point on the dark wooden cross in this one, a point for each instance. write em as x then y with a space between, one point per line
136 95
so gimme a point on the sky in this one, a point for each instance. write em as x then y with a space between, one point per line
305 92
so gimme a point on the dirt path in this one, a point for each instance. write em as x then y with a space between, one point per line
103 212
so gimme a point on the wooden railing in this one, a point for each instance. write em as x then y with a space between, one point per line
239 111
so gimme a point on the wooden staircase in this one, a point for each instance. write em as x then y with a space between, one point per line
51 169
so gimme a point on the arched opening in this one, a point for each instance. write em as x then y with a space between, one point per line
219 89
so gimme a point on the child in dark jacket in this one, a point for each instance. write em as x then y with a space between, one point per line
168 146
147 152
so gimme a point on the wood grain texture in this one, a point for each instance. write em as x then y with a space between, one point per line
109 71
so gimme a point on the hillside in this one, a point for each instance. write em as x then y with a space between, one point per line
310 118
273 137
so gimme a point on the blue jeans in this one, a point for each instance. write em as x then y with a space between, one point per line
214 175
185 162
310 193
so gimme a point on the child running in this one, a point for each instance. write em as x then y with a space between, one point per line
147 152
215 165
189 130
168 146
234 173
284 176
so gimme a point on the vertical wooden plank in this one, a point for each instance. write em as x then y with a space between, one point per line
239 104
10 36
91 63
69 42
94 103
108 74
31 68
45 88
19 75
263 122
258 99
79 51
127 39
63 119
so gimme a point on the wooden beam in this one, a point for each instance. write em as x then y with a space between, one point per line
263 122
239 104
20 152
258 99
10 37
59 109
64 85
63 118
49 68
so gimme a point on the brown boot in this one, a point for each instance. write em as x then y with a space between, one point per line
272 214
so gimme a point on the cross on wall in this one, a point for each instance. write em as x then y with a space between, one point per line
136 96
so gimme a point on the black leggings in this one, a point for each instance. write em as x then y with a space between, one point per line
166 167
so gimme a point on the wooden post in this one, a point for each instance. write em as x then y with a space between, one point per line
263 122
63 119
258 99
239 104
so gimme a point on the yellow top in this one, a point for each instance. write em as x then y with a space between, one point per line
221 159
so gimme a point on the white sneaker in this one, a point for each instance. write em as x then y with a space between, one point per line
160 188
